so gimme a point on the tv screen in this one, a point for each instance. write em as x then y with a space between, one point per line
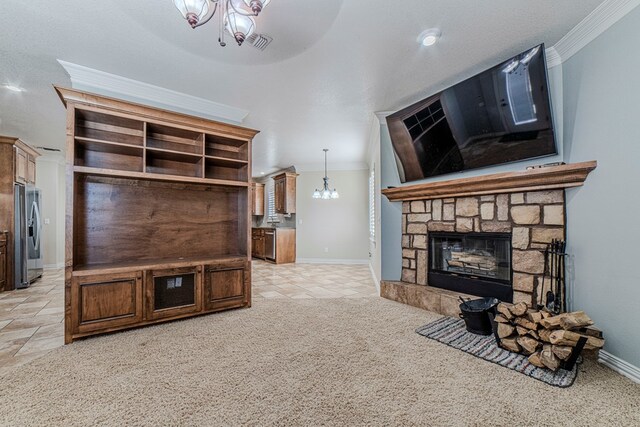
501 115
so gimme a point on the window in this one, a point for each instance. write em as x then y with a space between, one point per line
372 203
271 202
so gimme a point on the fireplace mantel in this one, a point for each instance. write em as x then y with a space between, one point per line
547 178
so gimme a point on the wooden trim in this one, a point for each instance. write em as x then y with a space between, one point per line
553 177
130 109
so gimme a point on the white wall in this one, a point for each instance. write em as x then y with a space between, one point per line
340 226
50 180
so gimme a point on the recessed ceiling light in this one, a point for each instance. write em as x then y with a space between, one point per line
261 173
429 37
13 88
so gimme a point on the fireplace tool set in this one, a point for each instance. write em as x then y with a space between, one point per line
553 292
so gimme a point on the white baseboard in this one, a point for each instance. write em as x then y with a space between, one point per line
620 366
331 261
53 266
375 278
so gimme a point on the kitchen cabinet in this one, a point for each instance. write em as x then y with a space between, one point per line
17 165
258 243
257 198
274 244
285 193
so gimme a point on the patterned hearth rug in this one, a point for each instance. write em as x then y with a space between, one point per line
452 332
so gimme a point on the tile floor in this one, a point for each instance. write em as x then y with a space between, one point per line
31 320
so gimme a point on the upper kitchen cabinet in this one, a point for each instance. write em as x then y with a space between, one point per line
257 198
285 193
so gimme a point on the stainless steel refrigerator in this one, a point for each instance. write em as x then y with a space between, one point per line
28 235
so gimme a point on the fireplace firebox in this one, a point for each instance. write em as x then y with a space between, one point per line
472 263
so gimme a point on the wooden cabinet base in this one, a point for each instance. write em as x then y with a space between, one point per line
114 301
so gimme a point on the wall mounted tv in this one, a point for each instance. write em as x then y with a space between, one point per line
501 115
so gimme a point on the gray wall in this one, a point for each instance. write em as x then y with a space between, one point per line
602 122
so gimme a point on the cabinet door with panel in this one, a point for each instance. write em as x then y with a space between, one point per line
106 301
285 193
173 292
257 199
21 165
227 285
31 169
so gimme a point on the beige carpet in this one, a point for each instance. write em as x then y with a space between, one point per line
298 362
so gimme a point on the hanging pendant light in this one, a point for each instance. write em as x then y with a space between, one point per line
236 16
239 26
193 10
256 5
325 193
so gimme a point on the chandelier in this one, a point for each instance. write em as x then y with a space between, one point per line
325 193
236 16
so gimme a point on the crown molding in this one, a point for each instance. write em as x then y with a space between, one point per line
333 166
594 24
89 79
553 58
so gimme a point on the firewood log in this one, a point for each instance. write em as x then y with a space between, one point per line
562 351
504 310
577 319
525 323
544 335
545 314
534 316
528 344
534 359
504 330
562 337
519 309
510 344
533 334
590 331
501 319
521 331
549 359
572 320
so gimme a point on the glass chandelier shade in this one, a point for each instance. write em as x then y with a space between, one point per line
325 193
256 5
239 26
193 10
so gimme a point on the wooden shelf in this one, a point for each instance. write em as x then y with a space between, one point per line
179 156
553 177
109 127
123 267
157 177
227 161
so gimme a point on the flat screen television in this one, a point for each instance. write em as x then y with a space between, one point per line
501 115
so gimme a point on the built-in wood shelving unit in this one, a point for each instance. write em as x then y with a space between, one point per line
158 213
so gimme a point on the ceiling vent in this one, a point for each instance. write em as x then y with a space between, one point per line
259 41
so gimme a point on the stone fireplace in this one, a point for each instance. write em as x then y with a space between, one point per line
474 237
532 220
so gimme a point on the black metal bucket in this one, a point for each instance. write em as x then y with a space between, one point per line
476 315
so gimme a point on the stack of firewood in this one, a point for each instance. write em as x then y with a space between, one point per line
546 338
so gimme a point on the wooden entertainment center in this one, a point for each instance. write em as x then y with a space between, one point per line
158 215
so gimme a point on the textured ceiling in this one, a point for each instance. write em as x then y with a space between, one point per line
331 65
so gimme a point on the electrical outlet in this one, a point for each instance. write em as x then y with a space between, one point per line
46 221
300 221
326 249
